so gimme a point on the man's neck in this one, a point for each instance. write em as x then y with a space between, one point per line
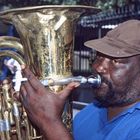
114 111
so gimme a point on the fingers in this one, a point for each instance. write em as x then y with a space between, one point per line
28 88
34 82
67 90
23 94
24 97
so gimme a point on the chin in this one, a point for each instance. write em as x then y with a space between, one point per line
101 91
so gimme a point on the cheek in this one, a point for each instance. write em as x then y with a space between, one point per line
120 77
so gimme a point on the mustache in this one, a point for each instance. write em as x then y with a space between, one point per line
103 79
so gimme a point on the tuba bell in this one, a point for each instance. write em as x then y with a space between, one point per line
46 46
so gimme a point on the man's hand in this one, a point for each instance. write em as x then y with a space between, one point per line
43 106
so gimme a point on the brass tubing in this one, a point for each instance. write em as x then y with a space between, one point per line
13 55
7 124
27 125
17 120
2 134
5 110
11 43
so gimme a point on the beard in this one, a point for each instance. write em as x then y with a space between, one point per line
112 97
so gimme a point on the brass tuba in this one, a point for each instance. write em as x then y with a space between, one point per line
46 46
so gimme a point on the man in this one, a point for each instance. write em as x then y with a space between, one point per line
115 113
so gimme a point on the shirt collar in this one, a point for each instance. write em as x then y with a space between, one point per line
132 108
125 112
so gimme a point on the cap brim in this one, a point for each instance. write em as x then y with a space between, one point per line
110 48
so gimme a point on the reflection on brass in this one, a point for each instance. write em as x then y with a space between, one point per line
46 34
11 42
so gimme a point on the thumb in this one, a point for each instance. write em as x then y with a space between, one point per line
67 90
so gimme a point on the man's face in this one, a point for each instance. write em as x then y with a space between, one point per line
120 80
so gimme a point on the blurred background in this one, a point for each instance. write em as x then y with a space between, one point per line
88 27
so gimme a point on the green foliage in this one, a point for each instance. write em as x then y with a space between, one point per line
111 4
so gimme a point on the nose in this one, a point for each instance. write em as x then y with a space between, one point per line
102 66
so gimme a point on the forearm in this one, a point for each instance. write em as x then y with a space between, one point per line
56 130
